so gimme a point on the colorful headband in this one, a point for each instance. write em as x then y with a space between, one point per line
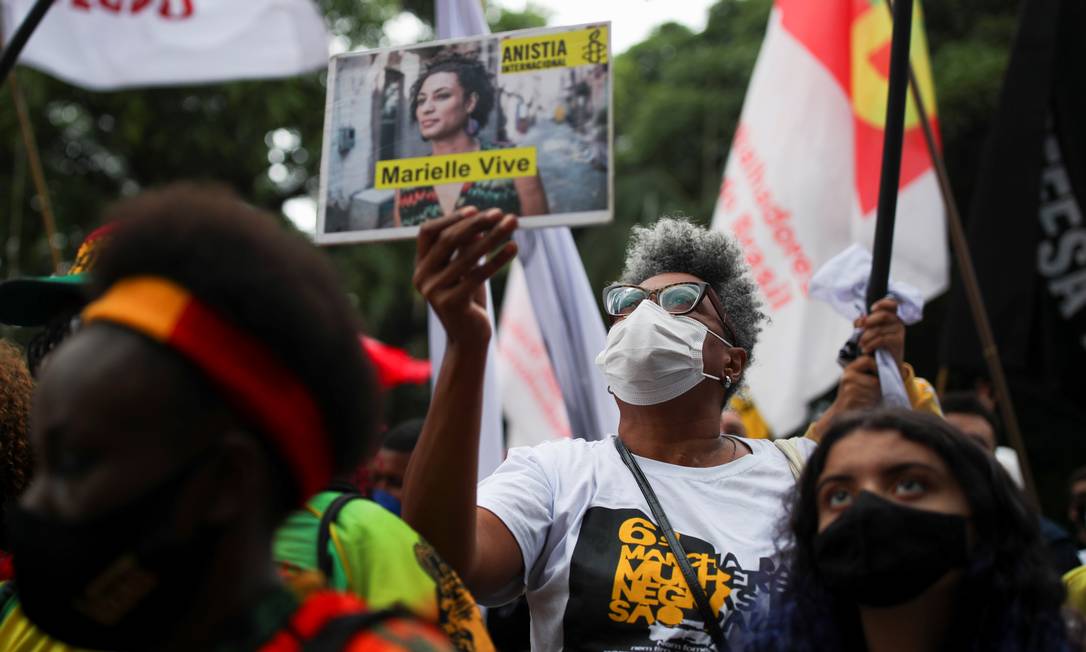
254 381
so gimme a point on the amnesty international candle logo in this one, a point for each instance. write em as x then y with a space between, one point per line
626 591
558 50
457 168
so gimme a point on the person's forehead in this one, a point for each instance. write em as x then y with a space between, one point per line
667 278
441 80
872 451
386 457
104 383
970 423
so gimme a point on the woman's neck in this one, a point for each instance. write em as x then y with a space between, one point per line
457 143
919 625
680 431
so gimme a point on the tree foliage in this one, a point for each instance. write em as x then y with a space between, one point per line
677 98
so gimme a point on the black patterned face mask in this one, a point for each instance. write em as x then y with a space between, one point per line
116 581
879 553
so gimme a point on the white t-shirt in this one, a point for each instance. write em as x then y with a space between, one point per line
599 575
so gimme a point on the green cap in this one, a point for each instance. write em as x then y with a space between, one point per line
37 300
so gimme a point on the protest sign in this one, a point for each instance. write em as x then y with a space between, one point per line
519 121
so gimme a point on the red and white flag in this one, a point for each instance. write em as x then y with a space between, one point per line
111 44
531 397
801 184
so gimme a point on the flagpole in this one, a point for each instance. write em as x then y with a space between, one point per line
22 35
893 136
968 272
26 130
37 174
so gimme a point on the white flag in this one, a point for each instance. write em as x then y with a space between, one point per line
112 44
531 398
801 185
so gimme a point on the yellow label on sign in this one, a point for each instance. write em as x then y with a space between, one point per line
559 50
456 168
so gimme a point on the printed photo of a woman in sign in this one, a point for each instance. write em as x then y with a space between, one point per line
451 102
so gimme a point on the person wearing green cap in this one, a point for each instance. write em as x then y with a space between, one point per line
51 303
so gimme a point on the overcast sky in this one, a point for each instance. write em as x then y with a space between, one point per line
631 20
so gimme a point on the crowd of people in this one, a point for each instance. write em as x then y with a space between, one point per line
199 463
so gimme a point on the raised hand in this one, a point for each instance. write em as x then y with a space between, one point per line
450 269
859 388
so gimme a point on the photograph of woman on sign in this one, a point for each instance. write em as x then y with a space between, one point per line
519 121
451 101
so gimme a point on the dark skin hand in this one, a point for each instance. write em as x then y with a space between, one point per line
859 386
440 484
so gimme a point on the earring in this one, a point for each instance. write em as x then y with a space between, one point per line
727 382
473 126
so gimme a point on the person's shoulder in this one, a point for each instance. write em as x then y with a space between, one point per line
565 450
802 445
364 518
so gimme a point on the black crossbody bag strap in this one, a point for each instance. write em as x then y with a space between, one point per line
715 632
324 531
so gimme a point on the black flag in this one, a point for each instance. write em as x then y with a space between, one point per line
1027 233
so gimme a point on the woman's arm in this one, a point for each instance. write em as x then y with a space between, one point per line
533 200
396 210
440 484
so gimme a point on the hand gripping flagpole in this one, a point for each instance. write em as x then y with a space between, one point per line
893 135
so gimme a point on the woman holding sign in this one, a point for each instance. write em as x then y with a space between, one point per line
571 522
451 102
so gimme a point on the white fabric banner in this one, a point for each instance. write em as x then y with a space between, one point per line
568 316
466 18
789 197
531 398
112 44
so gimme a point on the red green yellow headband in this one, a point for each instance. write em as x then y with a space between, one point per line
253 380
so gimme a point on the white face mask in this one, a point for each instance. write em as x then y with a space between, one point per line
653 356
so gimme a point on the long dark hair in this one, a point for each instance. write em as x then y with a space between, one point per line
1009 598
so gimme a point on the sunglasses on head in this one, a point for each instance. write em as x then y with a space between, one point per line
620 299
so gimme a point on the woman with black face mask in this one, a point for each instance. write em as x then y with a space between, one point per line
906 536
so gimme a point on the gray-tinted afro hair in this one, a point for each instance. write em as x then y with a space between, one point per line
676 245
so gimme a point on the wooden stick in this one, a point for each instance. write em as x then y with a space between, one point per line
960 246
36 172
